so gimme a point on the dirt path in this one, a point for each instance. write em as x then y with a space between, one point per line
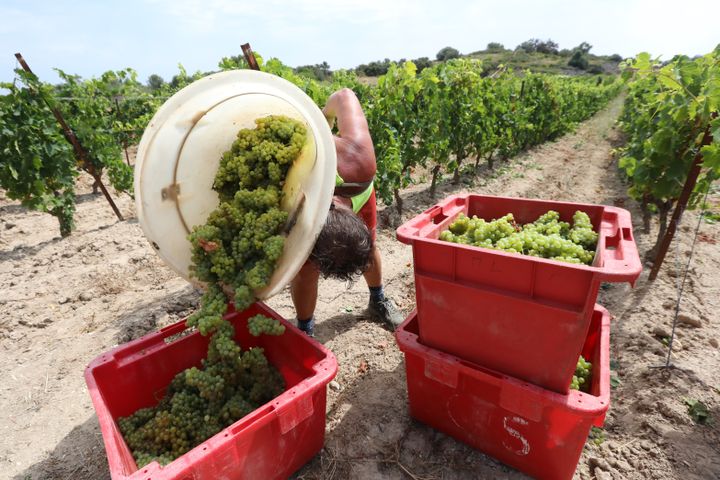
68 300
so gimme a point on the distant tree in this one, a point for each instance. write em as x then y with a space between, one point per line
155 82
536 45
320 71
595 69
447 53
615 58
528 46
548 46
373 69
422 63
578 60
495 47
584 47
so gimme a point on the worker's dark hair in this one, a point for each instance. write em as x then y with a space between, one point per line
343 248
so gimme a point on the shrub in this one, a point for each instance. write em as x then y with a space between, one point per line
495 47
537 45
447 53
578 60
422 63
155 82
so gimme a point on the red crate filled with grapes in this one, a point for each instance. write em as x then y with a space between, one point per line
511 283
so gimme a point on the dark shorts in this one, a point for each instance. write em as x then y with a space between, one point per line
369 214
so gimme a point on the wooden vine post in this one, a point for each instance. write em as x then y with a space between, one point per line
80 153
681 205
250 56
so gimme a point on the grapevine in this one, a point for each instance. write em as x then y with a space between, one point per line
546 237
238 246
38 166
667 110
435 119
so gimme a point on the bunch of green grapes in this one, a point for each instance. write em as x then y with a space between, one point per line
546 237
242 240
239 247
260 324
582 231
200 402
581 379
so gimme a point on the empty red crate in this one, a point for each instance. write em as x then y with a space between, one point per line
521 315
536 431
272 442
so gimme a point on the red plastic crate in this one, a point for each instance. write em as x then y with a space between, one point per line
520 315
536 431
272 442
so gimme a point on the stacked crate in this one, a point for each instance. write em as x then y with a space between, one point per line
502 332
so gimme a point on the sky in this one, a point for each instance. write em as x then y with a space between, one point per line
153 36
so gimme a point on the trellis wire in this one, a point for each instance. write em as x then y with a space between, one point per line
681 283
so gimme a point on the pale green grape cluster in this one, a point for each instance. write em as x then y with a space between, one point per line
546 237
208 318
242 240
199 403
239 246
582 231
260 324
581 379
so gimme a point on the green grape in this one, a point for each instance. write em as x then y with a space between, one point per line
239 246
546 237
582 232
581 379
546 218
460 225
260 324
463 239
447 236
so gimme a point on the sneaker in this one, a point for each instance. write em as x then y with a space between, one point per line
308 327
386 312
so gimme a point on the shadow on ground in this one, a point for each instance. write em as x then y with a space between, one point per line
371 435
78 456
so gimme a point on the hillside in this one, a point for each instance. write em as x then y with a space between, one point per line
556 63
535 55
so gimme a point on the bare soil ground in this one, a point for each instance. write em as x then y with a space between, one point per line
64 301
